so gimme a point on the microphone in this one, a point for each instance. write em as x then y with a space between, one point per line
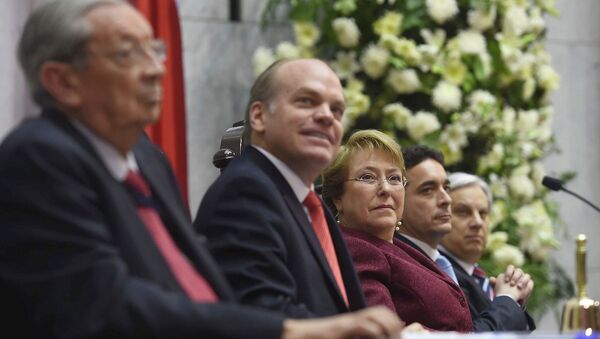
557 185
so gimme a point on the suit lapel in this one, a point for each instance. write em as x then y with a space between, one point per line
178 223
428 262
297 211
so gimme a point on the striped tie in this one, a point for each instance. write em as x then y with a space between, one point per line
484 282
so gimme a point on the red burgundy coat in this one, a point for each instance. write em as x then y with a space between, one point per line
408 282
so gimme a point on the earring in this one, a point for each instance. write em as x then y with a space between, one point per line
337 217
398 224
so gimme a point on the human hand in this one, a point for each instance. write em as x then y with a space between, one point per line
415 328
515 283
374 322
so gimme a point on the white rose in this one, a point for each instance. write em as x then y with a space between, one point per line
441 10
521 186
536 21
422 124
306 33
404 81
469 121
263 58
508 255
509 116
527 121
515 21
498 213
436 38
454 137
496 240
375 60
528 88
481 100
345 64
287 50
481 20
346 31
548 77
471 42
357 103
493 159
400 114
446 96
498 186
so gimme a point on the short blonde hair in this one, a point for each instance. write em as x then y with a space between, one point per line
336 174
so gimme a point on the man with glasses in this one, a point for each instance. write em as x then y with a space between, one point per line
95 239
427 219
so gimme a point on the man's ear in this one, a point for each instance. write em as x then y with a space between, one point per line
61 81
257 115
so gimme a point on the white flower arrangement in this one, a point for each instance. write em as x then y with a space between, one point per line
474 85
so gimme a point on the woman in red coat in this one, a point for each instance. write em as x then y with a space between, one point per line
365 186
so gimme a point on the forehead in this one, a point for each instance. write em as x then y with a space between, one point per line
471 195
427 170
308 75
115 22
374 159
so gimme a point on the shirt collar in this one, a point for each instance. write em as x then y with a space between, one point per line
469 268
117 165
297 185
431 252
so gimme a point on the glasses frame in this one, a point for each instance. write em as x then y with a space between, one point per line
154 49
379 181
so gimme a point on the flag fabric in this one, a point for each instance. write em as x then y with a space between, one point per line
170 131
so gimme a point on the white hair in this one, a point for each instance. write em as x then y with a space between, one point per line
461 179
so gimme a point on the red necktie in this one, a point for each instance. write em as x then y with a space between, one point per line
194 285
317 217
483 281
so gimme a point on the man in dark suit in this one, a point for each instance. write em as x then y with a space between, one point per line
259 226
427 219
95 240
464 245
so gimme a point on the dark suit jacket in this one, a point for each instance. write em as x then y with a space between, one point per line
262 239
503 314
75 259
408 282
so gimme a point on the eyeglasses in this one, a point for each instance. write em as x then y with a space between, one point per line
395 180
129 54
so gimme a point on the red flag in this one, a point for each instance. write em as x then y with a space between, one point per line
170 131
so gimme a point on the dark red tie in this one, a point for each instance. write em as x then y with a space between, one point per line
194 285
483 281
317 217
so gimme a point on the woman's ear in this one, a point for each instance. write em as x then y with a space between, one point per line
338 205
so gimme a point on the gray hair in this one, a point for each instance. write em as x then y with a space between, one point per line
461 179
56 31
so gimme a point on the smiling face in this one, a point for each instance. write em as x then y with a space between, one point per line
302 124
372 208
427 208
469 223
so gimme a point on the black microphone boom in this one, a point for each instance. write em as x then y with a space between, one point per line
556 185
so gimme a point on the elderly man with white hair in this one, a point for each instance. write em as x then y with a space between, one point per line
464 245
